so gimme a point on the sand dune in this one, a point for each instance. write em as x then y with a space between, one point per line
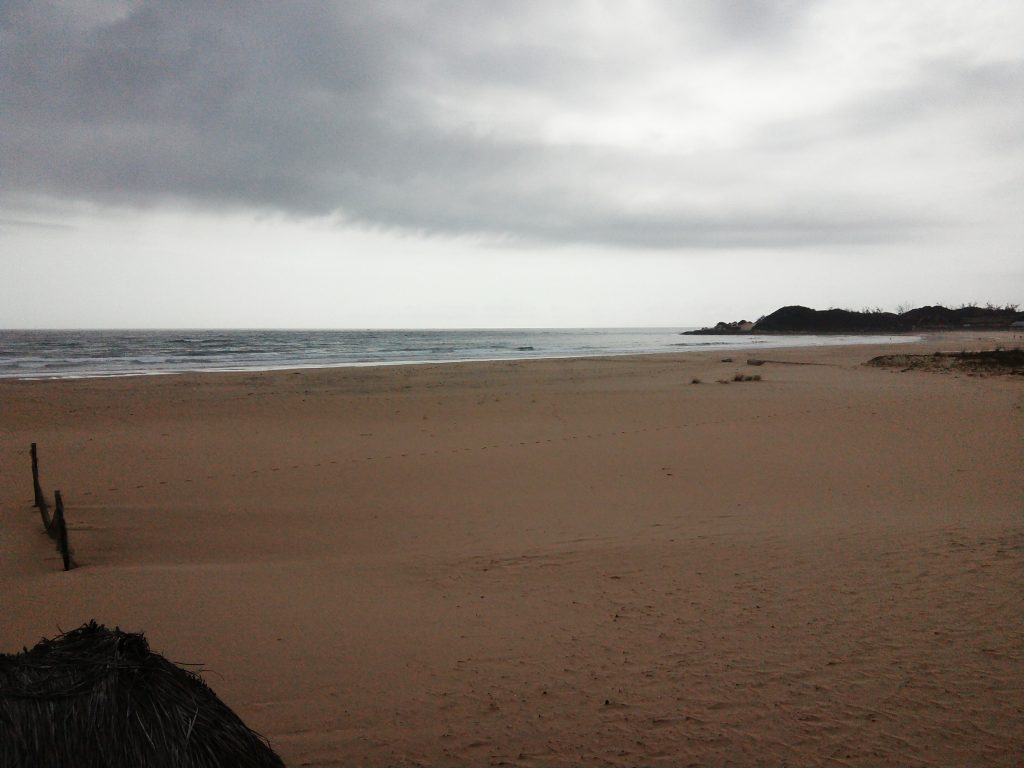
588 562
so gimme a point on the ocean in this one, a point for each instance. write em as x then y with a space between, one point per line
26 354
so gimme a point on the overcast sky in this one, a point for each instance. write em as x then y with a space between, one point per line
504 163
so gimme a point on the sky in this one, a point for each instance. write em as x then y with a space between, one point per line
506 163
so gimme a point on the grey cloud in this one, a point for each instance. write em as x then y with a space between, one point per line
13 224
947 86
311 110
944 90
732 23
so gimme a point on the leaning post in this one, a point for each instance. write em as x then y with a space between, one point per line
40 500
62 531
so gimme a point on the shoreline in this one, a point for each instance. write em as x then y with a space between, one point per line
725 346
550 562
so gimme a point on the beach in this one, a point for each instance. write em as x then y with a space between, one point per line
551 562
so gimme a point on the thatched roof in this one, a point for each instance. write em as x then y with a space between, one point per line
96 697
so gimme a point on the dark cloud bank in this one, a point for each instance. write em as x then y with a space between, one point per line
307 109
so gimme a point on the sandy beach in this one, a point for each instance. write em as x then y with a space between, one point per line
551 563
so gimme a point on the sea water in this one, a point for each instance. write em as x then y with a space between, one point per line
28 354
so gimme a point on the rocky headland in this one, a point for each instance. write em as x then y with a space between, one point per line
800 319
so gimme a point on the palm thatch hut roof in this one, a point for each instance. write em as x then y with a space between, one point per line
99 698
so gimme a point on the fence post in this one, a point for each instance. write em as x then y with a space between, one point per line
62 531
37 489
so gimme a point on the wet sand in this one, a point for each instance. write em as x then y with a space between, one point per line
589 562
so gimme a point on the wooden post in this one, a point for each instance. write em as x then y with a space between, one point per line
61 531
40 500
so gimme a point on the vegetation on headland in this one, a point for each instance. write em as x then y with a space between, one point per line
799 319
